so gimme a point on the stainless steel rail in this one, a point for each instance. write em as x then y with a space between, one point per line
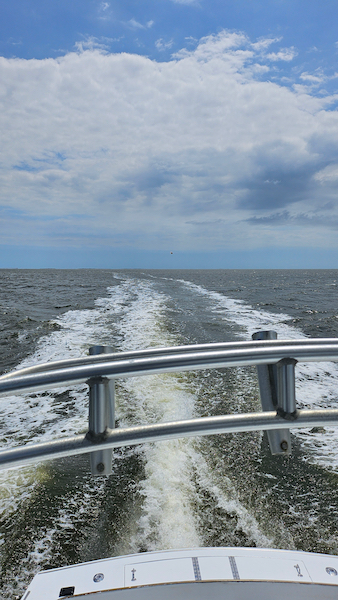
118 438
170 351
131 365
97 370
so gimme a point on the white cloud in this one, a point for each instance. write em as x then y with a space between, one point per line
286 54
221 46
102 148
162 45
319 77
93 43
264 43
104 14
328 174
136 25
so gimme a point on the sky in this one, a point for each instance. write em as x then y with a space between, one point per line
168 134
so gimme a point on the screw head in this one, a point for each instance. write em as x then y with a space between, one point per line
331 571
284 445
100 467
98 577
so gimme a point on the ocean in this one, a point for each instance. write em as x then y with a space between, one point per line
213 491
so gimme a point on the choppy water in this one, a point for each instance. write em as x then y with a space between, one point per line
220 490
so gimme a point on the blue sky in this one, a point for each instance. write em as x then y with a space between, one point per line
133 130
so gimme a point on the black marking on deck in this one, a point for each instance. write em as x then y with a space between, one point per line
196 568
233 566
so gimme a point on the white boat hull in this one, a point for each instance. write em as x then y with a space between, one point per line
233 573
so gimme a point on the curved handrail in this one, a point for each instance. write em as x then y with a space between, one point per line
131 436
161 361
102 358
92 369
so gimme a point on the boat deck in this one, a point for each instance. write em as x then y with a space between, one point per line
233 573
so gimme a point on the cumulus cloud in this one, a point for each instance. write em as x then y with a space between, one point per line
286 54
317 78
313 78
200 151
222 45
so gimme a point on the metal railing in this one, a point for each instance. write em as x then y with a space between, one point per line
275 361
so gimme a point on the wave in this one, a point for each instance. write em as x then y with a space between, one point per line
316 383
132 316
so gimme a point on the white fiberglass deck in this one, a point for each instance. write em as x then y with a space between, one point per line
199 573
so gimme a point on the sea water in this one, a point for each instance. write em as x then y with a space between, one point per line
218 490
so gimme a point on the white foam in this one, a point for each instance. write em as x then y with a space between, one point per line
168 518
249 319
132 316
46 416
316 383
41 555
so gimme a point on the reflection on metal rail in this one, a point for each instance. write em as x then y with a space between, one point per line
118 438
275 361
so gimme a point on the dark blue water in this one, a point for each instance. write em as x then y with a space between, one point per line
216 491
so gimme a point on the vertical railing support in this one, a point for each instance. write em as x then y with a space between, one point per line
286 391
280 439
101 416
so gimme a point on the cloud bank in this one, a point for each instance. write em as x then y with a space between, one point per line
200 152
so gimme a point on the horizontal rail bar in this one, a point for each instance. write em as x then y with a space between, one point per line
255 353
267 421
170 351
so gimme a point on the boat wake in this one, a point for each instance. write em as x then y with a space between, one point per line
173 494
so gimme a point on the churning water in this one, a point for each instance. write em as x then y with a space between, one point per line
219 490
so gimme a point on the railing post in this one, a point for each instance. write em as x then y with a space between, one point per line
286 392
279 440
101 415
